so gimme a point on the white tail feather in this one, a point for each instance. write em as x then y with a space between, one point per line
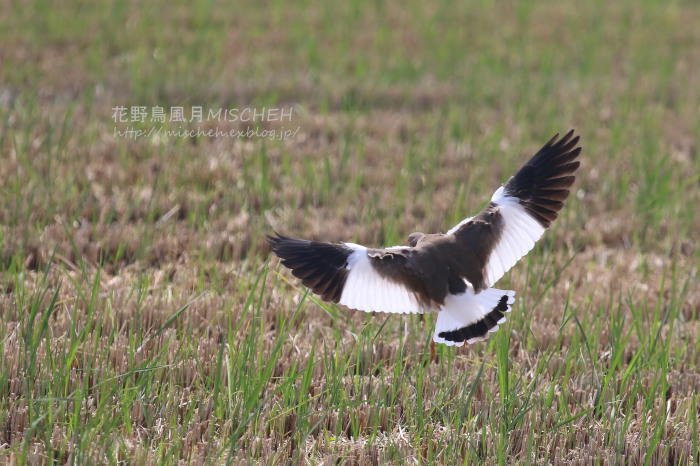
459 311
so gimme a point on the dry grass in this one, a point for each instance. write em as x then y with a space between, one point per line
140 318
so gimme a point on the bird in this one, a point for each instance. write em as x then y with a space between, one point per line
450 273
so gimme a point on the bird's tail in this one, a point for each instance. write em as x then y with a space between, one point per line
471 317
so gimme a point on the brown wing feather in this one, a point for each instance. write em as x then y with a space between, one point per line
542 184
320 266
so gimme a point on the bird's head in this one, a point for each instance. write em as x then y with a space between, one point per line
415 238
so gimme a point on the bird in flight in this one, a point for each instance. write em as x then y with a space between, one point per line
449 273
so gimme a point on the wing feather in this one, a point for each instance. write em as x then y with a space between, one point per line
526 206
347 273
368 290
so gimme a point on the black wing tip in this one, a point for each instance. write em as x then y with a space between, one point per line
569 147
564 139
548 175
279 242
285 247
556 157
272 238
275 238
561 144
555 141
276 241
319 266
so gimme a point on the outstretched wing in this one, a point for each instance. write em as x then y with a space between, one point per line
521 210
381 280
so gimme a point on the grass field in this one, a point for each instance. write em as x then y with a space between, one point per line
143 321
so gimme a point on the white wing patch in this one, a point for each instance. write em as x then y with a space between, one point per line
520 233
467 308
366 290
458 226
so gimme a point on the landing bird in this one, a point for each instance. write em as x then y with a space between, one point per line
450 273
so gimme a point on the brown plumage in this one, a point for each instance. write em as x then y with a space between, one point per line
440 271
